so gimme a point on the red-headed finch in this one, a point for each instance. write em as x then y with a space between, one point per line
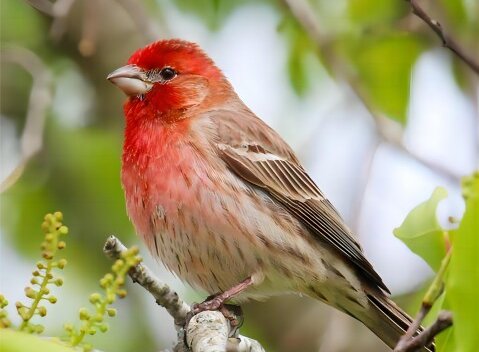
224 202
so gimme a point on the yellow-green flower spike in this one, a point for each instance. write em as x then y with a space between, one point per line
112 283
4 321
53 229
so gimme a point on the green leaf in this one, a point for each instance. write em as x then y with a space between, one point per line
15 341
421 231
369 12
463 282
297 67
383 66
300 47
214 12
20 24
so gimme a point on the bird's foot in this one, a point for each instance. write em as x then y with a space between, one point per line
233 313
214 302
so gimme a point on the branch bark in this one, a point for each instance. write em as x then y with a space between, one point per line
426 337
142 275
446 40
207 331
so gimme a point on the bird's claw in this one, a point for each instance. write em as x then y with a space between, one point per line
214 303
233 313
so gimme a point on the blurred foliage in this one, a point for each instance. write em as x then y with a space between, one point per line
366 13
384 67
17 341
300 47
372 44
422 233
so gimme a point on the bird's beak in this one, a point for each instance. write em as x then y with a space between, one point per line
131 79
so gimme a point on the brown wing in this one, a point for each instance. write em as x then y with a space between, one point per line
258 154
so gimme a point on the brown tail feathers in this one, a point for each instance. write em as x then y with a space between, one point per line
388 321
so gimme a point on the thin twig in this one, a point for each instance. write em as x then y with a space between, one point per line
425 338
43 6
408 342
61 9
207 331
139 15
58 10
89 29
447 41
40 99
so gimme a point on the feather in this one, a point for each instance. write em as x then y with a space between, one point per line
266 161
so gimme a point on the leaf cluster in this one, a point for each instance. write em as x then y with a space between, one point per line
453 255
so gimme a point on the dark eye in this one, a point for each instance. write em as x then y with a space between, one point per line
167 73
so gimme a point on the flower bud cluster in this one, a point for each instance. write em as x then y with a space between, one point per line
4 321
112 285
42 276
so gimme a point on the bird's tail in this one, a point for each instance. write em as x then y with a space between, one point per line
387 320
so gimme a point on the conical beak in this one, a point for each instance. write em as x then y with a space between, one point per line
131 79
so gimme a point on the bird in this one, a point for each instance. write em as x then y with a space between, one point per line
224 202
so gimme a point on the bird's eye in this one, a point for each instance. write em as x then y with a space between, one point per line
167 73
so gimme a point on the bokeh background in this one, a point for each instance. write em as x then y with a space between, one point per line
377 110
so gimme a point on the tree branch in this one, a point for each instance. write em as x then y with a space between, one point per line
410 343
31 140
447 41
426 337
207 331
144 24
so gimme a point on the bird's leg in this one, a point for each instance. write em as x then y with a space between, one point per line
216 302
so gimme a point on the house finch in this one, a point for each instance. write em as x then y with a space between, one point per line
224 202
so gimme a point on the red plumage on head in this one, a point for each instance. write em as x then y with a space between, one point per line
196 75
185 57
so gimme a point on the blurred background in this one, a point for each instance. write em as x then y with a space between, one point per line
377 110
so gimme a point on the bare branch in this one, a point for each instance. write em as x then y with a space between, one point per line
425 338
447 41
207 331
138 14
60 11
43 6
410 343
40 99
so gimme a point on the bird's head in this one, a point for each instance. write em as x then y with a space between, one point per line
166 78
